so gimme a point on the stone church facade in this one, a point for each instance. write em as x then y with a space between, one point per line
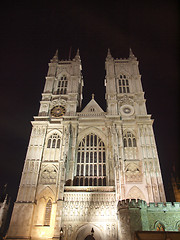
91 174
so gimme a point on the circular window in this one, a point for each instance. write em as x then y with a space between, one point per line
127 110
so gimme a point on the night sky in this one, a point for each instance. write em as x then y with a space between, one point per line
29 37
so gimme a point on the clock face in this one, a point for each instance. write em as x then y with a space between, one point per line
58 111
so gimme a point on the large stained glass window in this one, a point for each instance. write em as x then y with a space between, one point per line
91 162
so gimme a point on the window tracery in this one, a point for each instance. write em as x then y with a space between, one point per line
129 140
53 141
62 85
91 162
123 84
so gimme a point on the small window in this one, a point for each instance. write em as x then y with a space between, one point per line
92 109
54 141
47 217
62 85
129 140
160 227
123 84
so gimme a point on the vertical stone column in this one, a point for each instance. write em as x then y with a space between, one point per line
58 221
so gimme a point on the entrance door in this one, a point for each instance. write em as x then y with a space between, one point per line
89 237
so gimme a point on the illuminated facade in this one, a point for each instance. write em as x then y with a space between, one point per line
81 165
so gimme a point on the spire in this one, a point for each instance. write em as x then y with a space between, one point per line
131 55
77 57
109 56
55 58
92 95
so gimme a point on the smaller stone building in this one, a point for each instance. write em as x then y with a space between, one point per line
138 216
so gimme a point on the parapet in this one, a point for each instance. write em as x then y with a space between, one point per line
132 203
141 204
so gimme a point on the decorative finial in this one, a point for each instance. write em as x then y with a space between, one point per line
131 55
55 58
93 96
109 56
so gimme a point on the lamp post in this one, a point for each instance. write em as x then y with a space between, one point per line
61 234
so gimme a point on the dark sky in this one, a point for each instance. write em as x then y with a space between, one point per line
29 37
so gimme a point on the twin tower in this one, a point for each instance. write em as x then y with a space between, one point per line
83 164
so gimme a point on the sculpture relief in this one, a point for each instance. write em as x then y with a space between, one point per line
48 175
133 173
126 100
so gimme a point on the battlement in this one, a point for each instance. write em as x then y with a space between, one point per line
168 206
141 204
132 203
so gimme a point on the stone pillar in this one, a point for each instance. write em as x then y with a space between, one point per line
58 221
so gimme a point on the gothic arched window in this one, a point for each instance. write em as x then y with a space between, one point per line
47 216
123 84
53 141
160 227
91 162
129 140
62 85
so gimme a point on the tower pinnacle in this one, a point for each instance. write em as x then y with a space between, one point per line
55 58
77 57
131 54
109 56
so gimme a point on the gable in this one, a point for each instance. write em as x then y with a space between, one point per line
92 107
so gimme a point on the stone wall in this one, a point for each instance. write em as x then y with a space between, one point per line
138 216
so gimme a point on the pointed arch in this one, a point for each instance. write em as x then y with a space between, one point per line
43 210
123 83
91 160
159 226
46 193
62 83
129 139
53 140
85 230
53 143
92 130
47 215
135 193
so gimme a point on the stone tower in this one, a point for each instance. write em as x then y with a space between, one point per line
81 163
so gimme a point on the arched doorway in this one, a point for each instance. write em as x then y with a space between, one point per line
89 232
89 237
